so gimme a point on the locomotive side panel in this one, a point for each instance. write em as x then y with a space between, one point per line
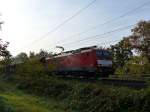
81 62
104 62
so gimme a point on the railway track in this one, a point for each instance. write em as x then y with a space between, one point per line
121 82
133 83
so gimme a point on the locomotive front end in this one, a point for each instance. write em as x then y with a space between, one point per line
104 62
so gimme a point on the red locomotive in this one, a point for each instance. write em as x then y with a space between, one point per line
89 61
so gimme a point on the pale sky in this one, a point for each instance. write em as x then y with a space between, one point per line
28 20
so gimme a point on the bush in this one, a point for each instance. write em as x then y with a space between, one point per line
100 99
4 107
32 77
147 68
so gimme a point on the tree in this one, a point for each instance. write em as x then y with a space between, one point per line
121 52
140 38
32 55
137 65
43 53
4 53
20 58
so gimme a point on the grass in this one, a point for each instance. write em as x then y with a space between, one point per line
22 102
27 103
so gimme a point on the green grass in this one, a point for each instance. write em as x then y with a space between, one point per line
27 103
23 102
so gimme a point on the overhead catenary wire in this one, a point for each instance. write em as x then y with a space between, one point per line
109 21
64 22
108 42
98 35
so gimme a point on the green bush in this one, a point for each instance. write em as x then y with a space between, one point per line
119 71
31 76
98 99
147 68
4 107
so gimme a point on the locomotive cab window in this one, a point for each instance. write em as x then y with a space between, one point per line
102 53
99 53
106 53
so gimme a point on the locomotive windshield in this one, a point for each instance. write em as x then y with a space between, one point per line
103 53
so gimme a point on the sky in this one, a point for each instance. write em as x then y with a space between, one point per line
27 23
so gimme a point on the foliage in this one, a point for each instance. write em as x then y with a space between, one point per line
147 68
140 38
4 53
41 54
89 98
22 102
121 52
21 58
32 55
3 49
19 101
136 65
137 43
4 107
84 97
31 76
120 71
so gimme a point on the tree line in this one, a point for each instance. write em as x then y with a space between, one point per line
132 53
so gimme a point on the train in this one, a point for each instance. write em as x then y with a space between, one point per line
86 62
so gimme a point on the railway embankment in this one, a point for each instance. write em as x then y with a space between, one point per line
76 96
